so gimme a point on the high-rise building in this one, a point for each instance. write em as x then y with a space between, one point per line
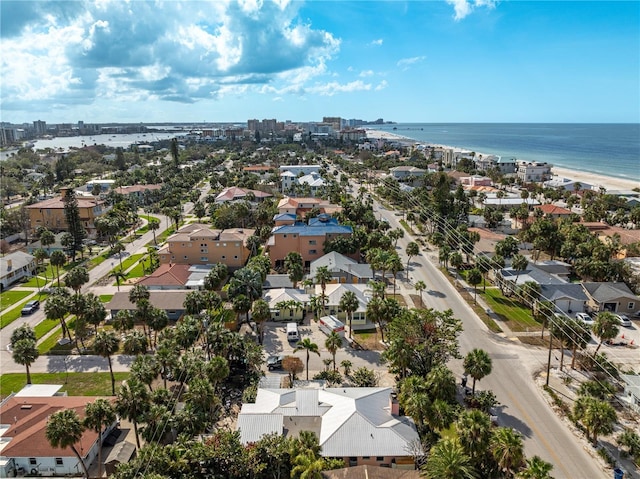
40 127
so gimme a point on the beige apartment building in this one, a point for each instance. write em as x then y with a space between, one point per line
50 213
199 244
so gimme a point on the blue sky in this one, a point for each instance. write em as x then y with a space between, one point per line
411 61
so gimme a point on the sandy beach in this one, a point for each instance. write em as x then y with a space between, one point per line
597 181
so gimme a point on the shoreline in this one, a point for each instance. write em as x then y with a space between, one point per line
594 179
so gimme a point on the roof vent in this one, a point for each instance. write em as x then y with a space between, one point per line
26 406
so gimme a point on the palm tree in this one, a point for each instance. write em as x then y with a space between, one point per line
507 449
474 278
536 468
25 353
106 344
349 304
135 343
598 416
139 292
412 250
346 365
477 364
40 255
420 287
119 276
247 281
310 347
333 343
132 402
483 263
64 429
153 225
518 263
260 313
57 259
57 307
456 261
474 432
123 321
242 304
606 326
76 278
294 267
448 460
118 249
145 369
323 276
307 465
98 415
47 238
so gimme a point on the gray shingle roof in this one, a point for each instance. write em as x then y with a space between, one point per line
554 292
603 292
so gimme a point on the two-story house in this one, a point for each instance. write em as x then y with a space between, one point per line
306 239
50 213
199 244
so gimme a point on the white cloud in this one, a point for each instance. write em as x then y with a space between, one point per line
377 42
462 8
407 62
366 73
331 88
382 85
178 50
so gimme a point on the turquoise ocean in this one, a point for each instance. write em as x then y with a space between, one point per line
605 149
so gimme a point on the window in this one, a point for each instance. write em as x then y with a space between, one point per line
224 244
204 250
379 458
366 457
185 256
203 245
224 257
631 305
295 236
284 236
173 257
59 461
32 461
204 258
235 257
313 251
312 242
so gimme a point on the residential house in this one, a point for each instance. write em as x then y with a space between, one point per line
199 244
533 172
104 184
275 297
312 184
566 184
170 301
289 174
631 390
15 267
233 193
50 213
334 293
301 206
142 194
476 180
370 472
24 448
554 212
555 267
405 173
306 239
363 426
275 281
507 165
568 297
342 268
613 297
50 248
176 276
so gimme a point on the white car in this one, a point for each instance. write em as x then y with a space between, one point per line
624 320
584 318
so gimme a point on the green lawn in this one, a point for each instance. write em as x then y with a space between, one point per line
519 318
105 298
45 326
74 384
10 316
9 298
32 283
162 237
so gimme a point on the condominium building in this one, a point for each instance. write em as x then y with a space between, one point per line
199 244
50 213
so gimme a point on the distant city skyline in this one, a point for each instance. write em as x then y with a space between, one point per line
415 61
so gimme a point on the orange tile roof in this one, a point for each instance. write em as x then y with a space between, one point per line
549 209
27 418
58 204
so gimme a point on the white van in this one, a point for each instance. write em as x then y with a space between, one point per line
329 324
292 332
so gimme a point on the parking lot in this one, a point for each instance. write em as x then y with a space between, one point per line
275 343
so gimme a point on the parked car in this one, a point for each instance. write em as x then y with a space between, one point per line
31 307
584 318
624 320
274 362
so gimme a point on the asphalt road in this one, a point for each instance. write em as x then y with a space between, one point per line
523 406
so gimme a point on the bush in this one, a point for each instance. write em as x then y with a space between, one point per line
249 394
364 378
333 378
604 454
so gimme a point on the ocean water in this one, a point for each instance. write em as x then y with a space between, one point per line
606 149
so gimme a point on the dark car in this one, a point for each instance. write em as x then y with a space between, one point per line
31 307
274 362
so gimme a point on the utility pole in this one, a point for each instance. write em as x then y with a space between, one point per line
549 358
